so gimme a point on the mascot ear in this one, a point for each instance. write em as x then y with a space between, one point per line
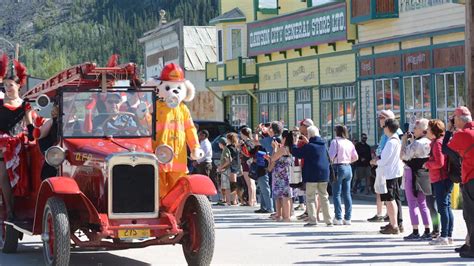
190 91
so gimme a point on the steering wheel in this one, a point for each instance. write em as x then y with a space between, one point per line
128 124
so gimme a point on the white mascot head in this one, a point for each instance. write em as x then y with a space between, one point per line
171 86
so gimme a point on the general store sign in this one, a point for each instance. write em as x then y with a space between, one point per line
301 29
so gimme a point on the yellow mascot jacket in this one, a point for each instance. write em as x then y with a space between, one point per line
175 128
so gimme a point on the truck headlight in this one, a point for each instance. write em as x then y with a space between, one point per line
55 156
164 154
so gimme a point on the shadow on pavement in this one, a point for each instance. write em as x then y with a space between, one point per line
102 258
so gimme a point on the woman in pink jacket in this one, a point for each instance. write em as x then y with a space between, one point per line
443 186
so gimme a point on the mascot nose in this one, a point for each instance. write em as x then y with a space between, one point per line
176 91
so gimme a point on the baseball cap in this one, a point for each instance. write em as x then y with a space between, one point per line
388 114
307 122
462 111
223 141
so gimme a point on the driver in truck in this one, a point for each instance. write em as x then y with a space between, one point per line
111 122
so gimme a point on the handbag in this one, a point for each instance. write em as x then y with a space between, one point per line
296 177
332 172
253 171
380 184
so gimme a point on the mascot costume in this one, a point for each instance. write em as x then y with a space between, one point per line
174 124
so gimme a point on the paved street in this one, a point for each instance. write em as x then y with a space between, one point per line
243 237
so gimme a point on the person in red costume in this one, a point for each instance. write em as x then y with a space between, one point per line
13 111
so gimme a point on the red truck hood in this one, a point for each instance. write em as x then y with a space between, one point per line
80 150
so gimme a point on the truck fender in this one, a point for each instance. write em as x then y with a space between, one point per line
67 189
192 184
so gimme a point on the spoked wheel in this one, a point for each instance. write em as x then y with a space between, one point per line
56 233
9 238
198 226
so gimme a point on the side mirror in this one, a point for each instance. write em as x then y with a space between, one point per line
43 106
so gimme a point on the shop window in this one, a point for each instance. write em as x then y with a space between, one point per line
303 104
338 107
273 106
387 93
235 49
240 114
450 93
220 56
417 97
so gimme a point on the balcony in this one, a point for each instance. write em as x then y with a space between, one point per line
231 72
365 10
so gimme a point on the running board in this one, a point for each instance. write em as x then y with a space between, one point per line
16 227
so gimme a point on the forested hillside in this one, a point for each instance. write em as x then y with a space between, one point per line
54 34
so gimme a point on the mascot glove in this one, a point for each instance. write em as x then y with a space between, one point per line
197 154
92 102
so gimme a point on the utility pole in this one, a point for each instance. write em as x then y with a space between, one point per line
469 50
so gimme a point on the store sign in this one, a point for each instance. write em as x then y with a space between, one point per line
272 77
301 29
303 73
366 67
338 69
416 61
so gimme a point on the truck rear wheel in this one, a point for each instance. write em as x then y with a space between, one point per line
56 233
198 226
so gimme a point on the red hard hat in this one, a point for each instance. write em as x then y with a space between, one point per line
172 72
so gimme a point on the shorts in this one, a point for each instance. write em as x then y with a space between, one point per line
393 188
225 182
235 169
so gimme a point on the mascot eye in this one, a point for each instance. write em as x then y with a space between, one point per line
179 88
168 88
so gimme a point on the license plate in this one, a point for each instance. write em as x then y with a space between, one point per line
133 233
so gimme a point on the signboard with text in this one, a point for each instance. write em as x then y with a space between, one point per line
301 29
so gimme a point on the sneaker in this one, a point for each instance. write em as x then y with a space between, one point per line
390 230
386 218
219 203
412 237
440 241
260 211
310 224
400 227
385 226
299 207
329 224
346 222
337 222
375 219
426 237
302 216
462 248
434 234
450 240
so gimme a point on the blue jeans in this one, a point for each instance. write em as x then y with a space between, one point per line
342 184
442 190
265 194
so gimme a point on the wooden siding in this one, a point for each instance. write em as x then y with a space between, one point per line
303 73
387 65
425 19
365 51
360 8
386 48
448 57
315 106
452 37
415 43
288 6
291 109
416 61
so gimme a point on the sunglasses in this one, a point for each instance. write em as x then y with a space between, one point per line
113 102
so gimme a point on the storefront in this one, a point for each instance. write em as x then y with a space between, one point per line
425 81
306 68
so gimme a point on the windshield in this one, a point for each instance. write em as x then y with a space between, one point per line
114 113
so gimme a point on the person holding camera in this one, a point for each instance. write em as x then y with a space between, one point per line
415 152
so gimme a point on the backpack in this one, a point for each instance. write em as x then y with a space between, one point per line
454 166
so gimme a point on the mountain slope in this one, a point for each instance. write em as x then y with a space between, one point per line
60 33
